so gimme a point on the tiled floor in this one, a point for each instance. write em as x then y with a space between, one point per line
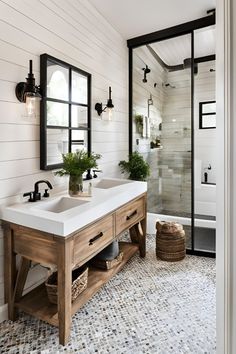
149 307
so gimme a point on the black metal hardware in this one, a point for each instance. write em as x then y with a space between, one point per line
36 195
36 185
88 175
46 194
98 106
94 173
171 32
28 87
31 196
92 240
128 217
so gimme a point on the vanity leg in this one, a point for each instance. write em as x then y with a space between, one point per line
9 271
142 237
21 278
64 269
138 235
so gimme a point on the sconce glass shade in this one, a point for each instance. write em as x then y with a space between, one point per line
110 113
31 102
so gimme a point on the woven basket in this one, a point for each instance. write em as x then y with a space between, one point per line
168 227
170 241
107 264
79 284
171 257
170 246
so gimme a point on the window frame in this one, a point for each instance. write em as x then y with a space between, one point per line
202 115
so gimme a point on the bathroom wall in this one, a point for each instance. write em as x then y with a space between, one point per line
76 33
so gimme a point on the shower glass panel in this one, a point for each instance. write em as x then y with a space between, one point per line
162 116
204 140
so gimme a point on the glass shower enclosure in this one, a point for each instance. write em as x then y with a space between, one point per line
163 116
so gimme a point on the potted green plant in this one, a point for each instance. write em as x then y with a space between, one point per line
74 165
137 167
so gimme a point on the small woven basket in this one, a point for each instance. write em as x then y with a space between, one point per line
79 284
107 264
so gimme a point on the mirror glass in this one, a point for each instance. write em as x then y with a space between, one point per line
65 111
57 114
57 145
79 88
79 116
57 81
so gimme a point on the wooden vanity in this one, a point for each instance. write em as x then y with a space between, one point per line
66 253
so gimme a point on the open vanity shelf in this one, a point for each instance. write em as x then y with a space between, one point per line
36 302
67 252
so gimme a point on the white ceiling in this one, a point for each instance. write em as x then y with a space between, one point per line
174 51
132 18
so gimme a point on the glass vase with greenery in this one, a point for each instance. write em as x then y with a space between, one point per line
137 168
74 165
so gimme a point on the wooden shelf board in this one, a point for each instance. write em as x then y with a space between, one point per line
97 277
36 302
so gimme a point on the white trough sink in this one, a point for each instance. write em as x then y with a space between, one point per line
110 183
60 205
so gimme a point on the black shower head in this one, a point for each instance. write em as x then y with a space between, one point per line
146 71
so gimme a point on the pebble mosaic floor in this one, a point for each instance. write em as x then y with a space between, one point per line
151 306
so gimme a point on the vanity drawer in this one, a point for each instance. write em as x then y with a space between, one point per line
93 239
129 215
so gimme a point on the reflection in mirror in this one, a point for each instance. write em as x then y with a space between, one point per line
79 140
79 116
57 114
57 81
65 111
79 88
57 145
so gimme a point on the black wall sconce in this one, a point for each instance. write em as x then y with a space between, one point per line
28 92
109 106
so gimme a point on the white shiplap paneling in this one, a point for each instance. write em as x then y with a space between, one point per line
76 33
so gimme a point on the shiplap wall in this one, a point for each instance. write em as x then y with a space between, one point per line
73 31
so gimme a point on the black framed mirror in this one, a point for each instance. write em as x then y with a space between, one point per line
65 111
207 115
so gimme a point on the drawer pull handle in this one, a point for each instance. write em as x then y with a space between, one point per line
131 215
92 240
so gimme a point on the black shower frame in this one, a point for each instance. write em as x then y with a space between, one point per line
168 33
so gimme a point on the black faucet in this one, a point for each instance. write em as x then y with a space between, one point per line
36 195
94 173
